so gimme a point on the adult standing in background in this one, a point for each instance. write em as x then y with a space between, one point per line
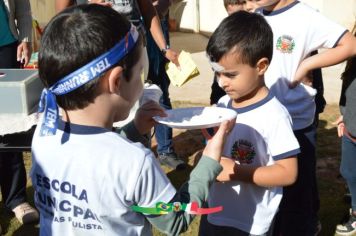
15 49
157 74
15 34
136 11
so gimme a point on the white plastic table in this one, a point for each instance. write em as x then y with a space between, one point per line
16 130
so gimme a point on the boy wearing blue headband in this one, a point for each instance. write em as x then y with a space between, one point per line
87 177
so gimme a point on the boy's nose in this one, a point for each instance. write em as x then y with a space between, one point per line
223 82
249 6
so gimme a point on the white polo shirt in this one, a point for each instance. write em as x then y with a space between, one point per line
298 30
262 135
85 182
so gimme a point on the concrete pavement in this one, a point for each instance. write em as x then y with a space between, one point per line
198 89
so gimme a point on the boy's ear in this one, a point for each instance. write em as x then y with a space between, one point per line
262 65
114 79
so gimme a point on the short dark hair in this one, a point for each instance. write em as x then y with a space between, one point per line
245 33
75 37
232 2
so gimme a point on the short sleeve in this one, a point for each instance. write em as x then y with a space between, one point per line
152 186
282 142
323 32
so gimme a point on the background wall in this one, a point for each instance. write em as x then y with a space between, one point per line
42 10
209 13
205 15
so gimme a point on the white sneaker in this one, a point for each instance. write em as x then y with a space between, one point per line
26 214
348 228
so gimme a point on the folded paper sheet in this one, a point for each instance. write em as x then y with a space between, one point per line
187 71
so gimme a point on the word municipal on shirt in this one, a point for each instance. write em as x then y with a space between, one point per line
65 202
164 208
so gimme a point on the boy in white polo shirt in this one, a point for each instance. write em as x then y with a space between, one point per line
88 180
260 152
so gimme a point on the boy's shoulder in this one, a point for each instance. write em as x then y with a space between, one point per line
123 147
110 144
271 109
291 9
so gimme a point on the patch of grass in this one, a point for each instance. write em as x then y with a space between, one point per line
189 143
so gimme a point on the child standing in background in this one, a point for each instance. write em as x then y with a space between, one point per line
347 130
298 31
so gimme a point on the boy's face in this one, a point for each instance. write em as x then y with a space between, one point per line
231 8
245 5
250 5
237 79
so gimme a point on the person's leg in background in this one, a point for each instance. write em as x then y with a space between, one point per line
12 179
320 104
13 187
12 169
348 171
318 84
157 74
297 215
8 56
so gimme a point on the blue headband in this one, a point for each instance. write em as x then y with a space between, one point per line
83 75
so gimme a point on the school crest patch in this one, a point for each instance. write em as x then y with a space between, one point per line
285 44
243 151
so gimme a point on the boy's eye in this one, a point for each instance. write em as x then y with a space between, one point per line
229 75
226 74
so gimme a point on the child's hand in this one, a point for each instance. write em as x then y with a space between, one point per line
173 57
215 144
228 165
304 73
143 118
340 126
300 77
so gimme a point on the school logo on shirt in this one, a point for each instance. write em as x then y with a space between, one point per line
285 44
243 151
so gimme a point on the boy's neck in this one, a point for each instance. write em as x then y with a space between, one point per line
255 96
278 5
80 117
97 114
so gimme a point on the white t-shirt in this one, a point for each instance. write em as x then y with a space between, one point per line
86 182
129 8
298 30
262 135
